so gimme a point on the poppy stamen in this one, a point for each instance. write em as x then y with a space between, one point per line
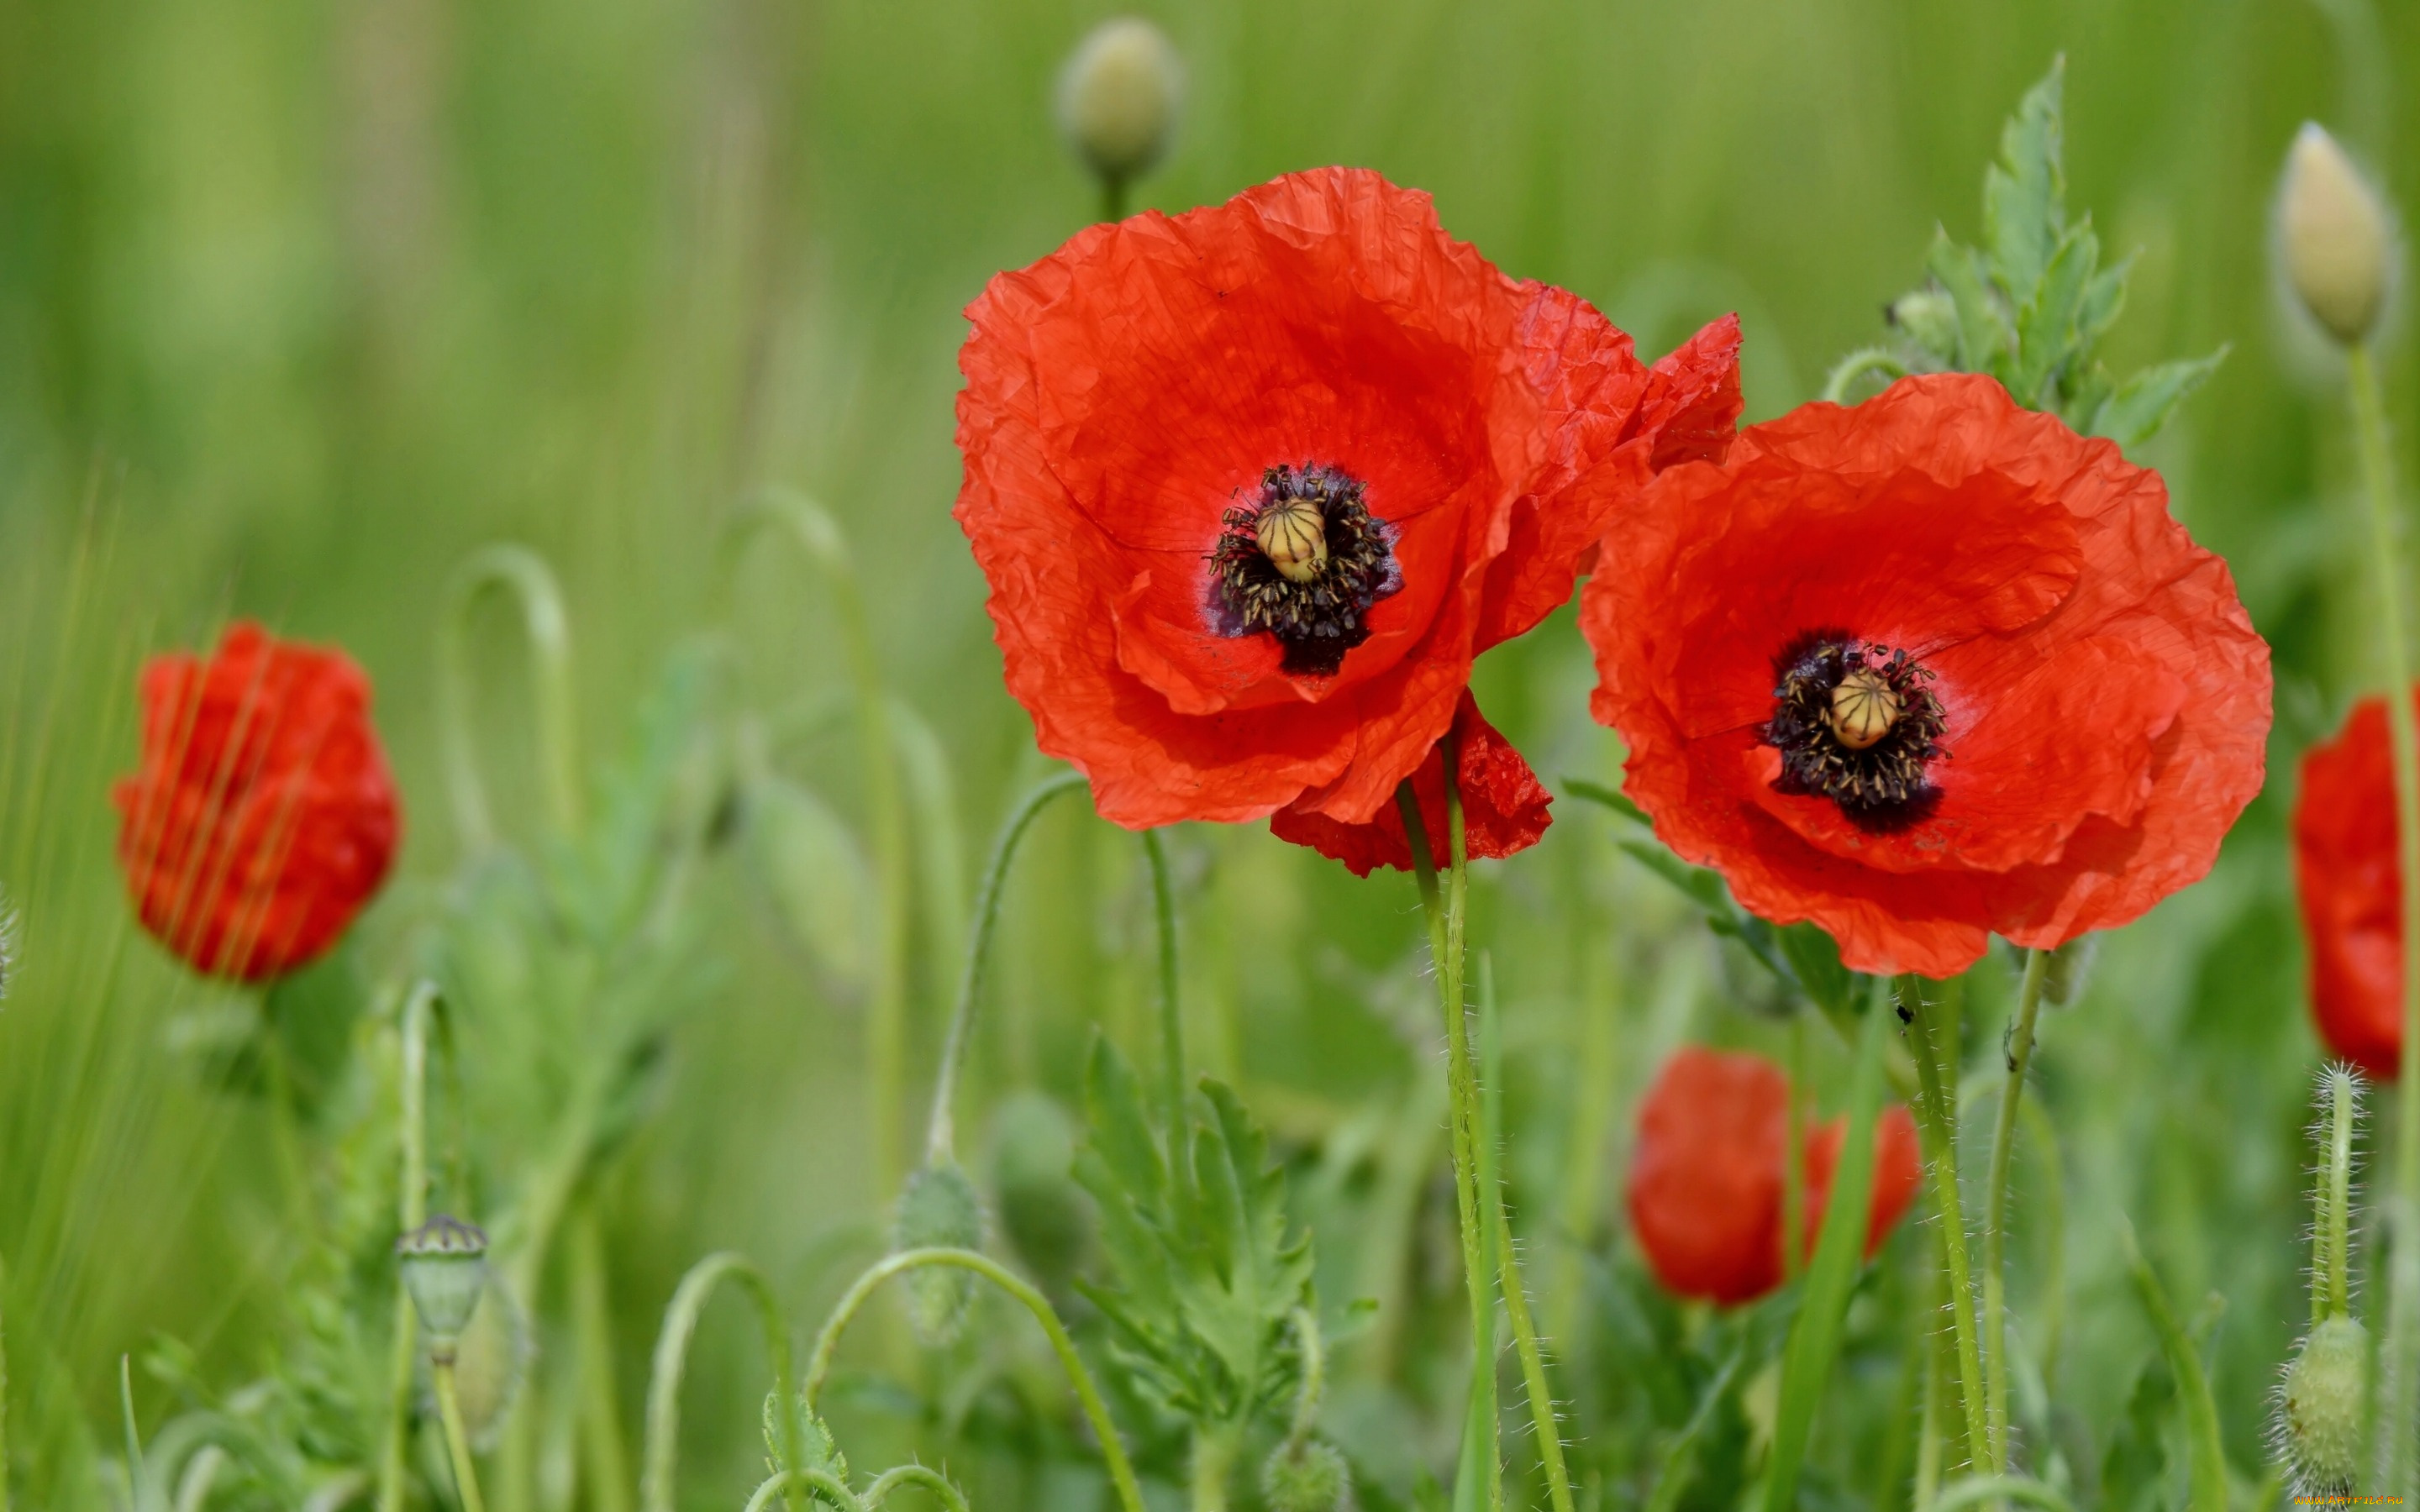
1303 560
1855 723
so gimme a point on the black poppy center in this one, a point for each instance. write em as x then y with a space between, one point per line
1303 560
1857 723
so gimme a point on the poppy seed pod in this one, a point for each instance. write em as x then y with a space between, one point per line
444 1268
2324 1408
938 1210
1119 97
2332 237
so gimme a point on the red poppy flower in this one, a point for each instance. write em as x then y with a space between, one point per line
262 816
1926 669
2352 898
1252 484
1706 1178
1503 806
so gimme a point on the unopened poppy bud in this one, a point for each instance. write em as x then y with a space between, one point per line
1119 96
2324 1408
1306 1476
938 1210
444 1268
2332 237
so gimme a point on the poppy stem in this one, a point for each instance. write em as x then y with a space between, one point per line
2403 1296
1793 1170
940 1135
1172 1022
1995 1197
458 1439
1936 1122
1444 900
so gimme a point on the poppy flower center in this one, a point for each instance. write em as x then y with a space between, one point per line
1856 723
1303 560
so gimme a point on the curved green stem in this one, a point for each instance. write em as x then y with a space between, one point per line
1858 364
1936 1122
457 1441
941 1134
819 536
1444 906
411 1211
1314 1377
821 1482
1171 1019
661 1449
1088 1396
525 575
950 1498
2386 554
2205 1457
1534 1369
1996 1198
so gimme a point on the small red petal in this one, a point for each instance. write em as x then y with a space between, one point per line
1503 807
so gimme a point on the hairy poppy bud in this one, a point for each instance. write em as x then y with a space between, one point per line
2332 237
2324 1408
444 1268
938 1210
1119 96
1306 1476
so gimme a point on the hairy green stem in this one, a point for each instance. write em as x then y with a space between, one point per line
1858 364
2386 553
1172 1018
950 1496
411 1211
940 1136
824 1485
458 1440
2331 1278
1533 1370
660 1451
1936 1122
1314 1375
1445 906
526 576
1996 1198
1088 1396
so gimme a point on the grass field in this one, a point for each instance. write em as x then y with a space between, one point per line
301 303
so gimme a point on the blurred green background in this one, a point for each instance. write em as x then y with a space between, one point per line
301 301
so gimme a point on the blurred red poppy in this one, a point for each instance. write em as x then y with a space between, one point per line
2352 900
1251 486
1706 1177
1503 806
1927 670
262 817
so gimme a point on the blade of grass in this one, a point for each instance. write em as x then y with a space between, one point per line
2207 1455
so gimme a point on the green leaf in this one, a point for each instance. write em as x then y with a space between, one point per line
1982 327
2104 300
1840 1255
2207 1457
2143 403
2046 322
2025 193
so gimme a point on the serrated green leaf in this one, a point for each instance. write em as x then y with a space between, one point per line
2025 193
2104 300
1121 1134
2046 323
1982 328
2143 403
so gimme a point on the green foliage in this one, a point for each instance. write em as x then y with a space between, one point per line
1203 1278
806 1430
2031 305
938 1210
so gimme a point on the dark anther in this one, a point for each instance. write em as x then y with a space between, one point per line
1859 724
1303 560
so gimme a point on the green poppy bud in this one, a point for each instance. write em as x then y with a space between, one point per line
1119 97
1044 1213
2332 237
938 1210
444 1267
1306 1476
2324 1408
490 1361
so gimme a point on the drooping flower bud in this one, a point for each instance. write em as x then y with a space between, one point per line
444 1268
1119 97
1306 1476
2332 237
2324 1408
938 1210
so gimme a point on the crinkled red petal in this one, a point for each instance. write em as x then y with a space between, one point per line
2351 888
1503 807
